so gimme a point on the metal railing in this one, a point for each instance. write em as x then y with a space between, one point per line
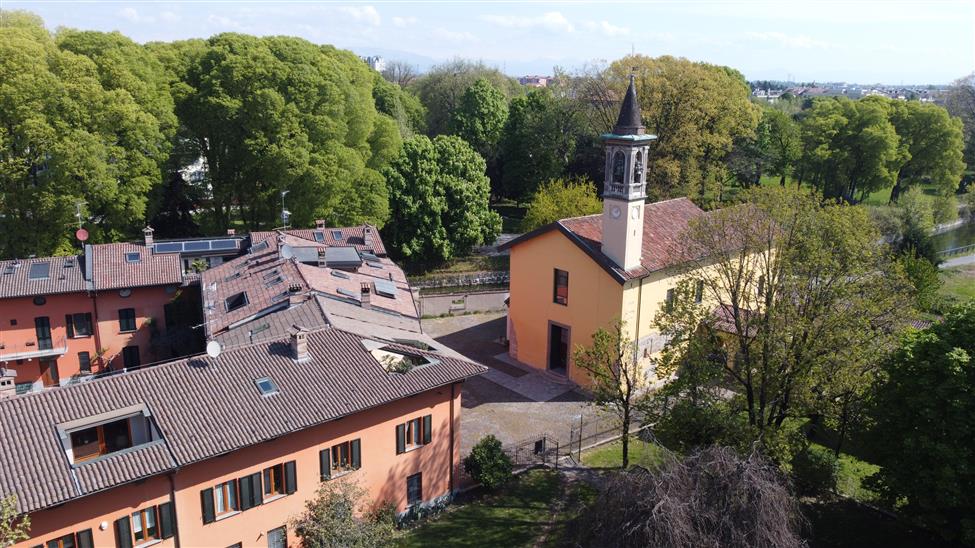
955 251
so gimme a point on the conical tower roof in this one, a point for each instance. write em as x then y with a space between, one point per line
629 121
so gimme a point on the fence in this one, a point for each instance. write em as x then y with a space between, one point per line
547 449
955 251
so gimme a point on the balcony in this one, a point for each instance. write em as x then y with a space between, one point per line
33 349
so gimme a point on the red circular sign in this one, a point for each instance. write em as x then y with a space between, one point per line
81 234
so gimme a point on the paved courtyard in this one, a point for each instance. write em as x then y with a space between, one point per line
513 403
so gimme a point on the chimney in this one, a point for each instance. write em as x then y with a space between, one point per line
147 232
231 232
365 294
8 387
320 224
299 344
367 236
321 257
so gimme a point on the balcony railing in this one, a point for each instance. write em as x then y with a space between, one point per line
43 348
621 189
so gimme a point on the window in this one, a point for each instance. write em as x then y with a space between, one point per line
126 320
619 167
277 538
39 271
337 235
669 302
699 291
78 325
274 480
130 356
413 434
133 257
236 301
560 294
81 539
145 525
266 386
225 498
40 300
84 362
42 328
101 439
414 489
345 457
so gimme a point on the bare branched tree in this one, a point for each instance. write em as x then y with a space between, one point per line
400 72
710 499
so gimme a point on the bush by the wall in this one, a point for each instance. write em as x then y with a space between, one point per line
814 471
488 464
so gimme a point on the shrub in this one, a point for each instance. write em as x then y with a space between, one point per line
488 464
814 471
334 517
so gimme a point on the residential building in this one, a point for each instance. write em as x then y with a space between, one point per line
575 276
534 81
213 451
375 62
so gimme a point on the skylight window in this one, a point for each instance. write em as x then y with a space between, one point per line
346 293
236 301
133 257
336 234
39 271
374 264
369 256
266 386
271 274
319 236
340 274
385 288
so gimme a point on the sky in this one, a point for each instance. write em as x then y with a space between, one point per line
865 41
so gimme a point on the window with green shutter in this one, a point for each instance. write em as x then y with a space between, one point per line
414 434
325 464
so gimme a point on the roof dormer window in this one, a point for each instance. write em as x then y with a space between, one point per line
396 360
89 439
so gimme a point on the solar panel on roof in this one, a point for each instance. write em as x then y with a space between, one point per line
196 246
169 247
223 244
259 247
385 288
39 271
346 293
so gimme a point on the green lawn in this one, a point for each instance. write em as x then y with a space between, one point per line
610 455
959 282
849 478
516 516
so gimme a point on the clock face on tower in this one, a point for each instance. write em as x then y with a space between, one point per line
635 213
615 212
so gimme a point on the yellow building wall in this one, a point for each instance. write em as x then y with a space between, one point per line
595 299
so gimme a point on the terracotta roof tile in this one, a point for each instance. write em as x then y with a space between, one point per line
64 275
351 235
112 270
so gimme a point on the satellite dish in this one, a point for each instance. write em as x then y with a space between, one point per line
287 252
81 234
213 349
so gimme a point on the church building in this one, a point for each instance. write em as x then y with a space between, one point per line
574 276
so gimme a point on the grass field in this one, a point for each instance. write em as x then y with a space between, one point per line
648 455
959 282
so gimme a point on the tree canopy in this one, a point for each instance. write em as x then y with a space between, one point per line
480 116
441 88
438 193
924 437
561 199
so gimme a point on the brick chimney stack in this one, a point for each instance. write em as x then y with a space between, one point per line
320 224
299 344
8 386
147 232
365 297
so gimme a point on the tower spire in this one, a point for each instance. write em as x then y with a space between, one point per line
630 121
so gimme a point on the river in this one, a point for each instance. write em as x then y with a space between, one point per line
957 237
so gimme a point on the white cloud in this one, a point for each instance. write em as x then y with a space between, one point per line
608 28
552 20
454 36
366 14
169 17
130 14
403 22
800 41
222 21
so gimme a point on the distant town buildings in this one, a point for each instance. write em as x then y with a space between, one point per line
773 91
375 62
535 81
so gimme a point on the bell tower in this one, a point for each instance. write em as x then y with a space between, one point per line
624 187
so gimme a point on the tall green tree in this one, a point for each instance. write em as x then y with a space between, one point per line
931 145
850 148
696 110
480 117
400 105
960 102
442 87
793 292
281 114
561 199
785 146
438 194
66 138
924 437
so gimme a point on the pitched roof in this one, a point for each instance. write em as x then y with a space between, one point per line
663 224
112 269
355 236
64 275
198 421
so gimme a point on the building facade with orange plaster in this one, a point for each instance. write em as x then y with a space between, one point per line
199 466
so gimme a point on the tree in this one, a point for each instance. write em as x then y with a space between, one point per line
711 498
438 194
480 117
851 148
540 141
785 146
696 110
441 88
916 222
334 519
618 380
780 296
400 105
400 73
13 526
561 199
68 139
960 102
278 114
924 438
931 145
488 464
